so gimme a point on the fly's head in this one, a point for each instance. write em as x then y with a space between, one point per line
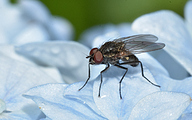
95 56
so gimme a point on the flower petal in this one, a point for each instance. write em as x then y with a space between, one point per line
152 64
188 16
171 30
69 57
134 87
16 78
28 7
60 29
85 96
161 106
182 86
50 100
33 33
21 115
105 32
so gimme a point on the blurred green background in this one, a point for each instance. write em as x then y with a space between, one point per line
86 13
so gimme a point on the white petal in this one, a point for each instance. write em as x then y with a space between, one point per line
160 106
69 57
171 30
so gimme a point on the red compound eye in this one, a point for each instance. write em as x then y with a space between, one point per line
98 57
93 51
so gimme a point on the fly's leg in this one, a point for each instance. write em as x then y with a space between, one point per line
102 78
86 80
146 77
121 78
142 72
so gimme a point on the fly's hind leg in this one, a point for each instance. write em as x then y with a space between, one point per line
142 72
146 77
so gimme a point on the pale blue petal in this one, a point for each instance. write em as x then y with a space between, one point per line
171 30
32 33
51 101
11 21
3 38
100 40
53 73
160 106
69 57
60 29
46 118
90 34
185 116
4 3
9 51
182 86
20 115
188 15
152 64
28 6
107 30
16 78
85 96
134 87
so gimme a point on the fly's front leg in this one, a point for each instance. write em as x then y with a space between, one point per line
102 78
121 78
87 78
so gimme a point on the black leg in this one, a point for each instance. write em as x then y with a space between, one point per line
87 79
102 78
141 71
121 78
146 77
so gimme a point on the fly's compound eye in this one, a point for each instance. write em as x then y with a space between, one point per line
98 57
94 50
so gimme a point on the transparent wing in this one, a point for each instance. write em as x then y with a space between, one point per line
140 43
144 47
140 37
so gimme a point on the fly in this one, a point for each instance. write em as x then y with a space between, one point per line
110 53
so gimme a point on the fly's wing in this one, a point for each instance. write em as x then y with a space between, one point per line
140 43
140 37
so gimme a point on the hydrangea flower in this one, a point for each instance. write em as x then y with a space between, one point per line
141 100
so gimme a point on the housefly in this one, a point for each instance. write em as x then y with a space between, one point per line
123 49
